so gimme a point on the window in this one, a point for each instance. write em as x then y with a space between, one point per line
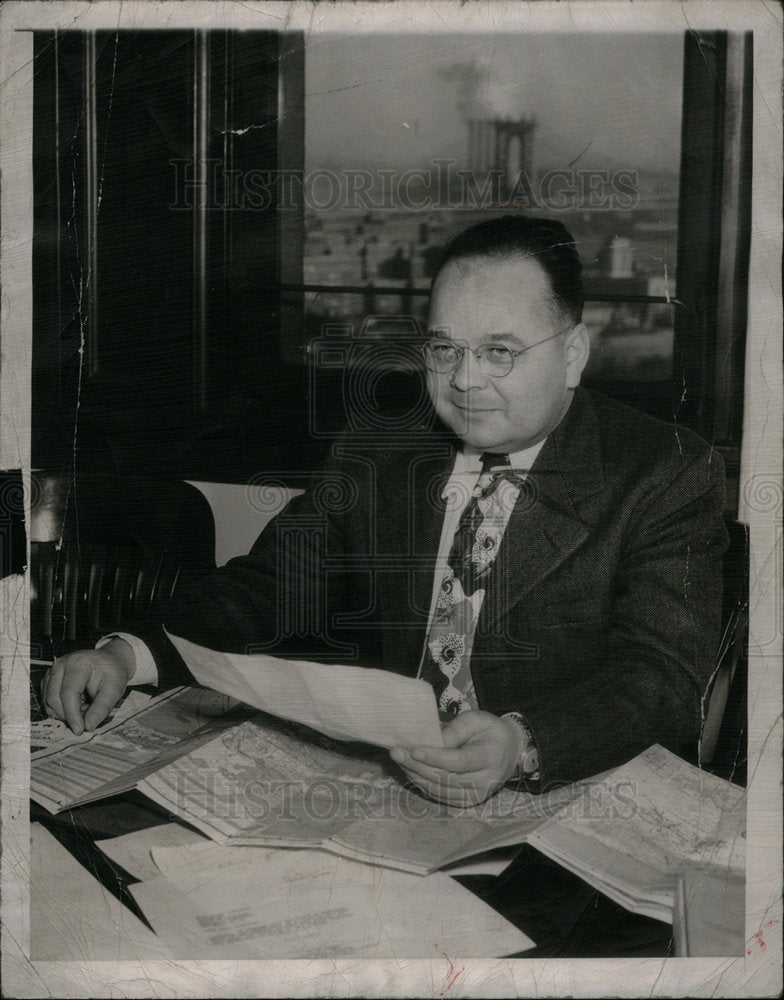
202 226
647 164
486 125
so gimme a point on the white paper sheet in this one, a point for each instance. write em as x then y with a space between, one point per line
73 917
715 912
131 851
178 861
307 904
172 859
346 703
643 824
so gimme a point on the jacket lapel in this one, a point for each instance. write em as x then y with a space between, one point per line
546 526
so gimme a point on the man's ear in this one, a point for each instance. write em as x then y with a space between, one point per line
577 346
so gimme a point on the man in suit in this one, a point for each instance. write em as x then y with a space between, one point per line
549 560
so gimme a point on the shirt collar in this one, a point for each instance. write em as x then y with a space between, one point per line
468 462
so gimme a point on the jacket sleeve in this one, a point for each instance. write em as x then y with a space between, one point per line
275 599
661 641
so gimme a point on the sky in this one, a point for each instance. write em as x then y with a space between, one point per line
604 101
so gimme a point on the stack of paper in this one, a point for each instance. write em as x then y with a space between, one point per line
652 834
246 903
648 825
269 782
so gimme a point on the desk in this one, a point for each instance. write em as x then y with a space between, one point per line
566 917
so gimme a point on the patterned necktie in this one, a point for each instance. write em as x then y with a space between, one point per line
462 591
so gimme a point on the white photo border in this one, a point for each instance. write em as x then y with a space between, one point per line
758 973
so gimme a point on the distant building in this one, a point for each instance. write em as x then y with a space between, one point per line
502 145
621 258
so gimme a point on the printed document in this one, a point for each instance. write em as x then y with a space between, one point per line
307 904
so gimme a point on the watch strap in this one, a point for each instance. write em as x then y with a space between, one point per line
528 761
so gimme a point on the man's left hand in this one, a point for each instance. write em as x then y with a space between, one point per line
480 753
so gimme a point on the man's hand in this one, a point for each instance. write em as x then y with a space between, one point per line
83 687
480 753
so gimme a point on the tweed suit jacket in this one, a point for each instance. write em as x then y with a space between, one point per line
601 615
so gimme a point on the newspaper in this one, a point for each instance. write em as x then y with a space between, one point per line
115 757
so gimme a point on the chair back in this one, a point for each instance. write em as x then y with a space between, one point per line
242 511
724 738
121 550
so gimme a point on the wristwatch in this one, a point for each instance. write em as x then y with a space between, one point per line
528 762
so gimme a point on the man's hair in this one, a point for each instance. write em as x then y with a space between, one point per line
544 240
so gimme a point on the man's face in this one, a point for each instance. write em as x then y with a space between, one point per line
506 303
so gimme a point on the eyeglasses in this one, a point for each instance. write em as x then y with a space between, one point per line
495 360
